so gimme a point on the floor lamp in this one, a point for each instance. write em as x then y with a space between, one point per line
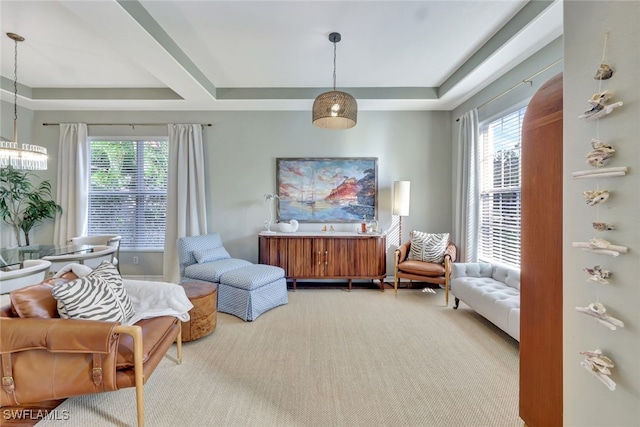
401 201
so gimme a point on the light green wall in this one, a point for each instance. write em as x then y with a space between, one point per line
587 402
532 65
518 96
25 135
241 149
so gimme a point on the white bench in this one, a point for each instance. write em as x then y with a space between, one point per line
492 291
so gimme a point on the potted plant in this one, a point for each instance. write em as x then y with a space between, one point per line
22 205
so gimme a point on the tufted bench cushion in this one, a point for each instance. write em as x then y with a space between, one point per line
493 291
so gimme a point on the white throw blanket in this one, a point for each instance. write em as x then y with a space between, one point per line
149 299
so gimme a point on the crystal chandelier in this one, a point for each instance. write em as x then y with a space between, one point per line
335 110
20 156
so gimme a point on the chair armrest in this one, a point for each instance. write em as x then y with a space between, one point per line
451 252
402 252
57 335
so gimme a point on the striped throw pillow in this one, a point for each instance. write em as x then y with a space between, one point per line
100 295
428 247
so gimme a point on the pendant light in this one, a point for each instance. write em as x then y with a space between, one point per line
335 110
20 156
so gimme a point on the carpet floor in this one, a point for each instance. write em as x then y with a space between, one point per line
329 358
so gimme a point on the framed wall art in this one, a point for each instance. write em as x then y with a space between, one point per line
333 189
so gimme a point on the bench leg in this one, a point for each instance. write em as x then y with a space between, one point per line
455 306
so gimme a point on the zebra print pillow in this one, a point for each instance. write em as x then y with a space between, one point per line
100 295
428 247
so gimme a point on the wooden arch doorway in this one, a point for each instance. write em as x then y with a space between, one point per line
541 401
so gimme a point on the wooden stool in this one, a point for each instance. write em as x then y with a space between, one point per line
204 297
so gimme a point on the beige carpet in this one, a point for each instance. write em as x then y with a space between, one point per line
330 358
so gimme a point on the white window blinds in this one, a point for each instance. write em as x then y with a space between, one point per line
128 190
499 228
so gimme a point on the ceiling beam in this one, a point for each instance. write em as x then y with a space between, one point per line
140 14
520 21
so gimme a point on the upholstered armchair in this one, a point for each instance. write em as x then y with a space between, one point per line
245 290
422 271
92 259
204 259
32 271
112 240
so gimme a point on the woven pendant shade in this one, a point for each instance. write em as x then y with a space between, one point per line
335 110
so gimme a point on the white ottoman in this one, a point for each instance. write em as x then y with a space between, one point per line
249 291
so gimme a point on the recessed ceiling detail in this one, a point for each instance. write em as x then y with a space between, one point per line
266 55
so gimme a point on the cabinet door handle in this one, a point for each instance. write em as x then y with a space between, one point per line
318 257
326 262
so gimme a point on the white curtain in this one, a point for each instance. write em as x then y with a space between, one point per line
73 182
467 194
186 207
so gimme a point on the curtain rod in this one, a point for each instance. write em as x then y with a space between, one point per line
527 80
133 125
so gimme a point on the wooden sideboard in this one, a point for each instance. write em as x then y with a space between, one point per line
335 255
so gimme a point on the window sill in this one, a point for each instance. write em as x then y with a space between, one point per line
146 250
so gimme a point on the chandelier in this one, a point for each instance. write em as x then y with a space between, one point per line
20 156
335 110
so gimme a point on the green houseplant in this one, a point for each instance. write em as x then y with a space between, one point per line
22 205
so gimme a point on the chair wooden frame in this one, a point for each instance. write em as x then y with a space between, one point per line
136 333
402 253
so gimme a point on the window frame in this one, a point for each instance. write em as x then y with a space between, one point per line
482 256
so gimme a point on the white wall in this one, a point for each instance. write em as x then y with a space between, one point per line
587 402
241 149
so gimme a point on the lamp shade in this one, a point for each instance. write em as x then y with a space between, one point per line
401 197
335 110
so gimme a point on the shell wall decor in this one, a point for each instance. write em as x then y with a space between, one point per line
601 154
599 365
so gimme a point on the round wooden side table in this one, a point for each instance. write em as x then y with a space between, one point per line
204 297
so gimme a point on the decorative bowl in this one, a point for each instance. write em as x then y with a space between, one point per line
288 227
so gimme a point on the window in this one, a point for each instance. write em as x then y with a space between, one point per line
128 190
499 228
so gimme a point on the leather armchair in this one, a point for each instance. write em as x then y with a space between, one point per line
52 358
428 272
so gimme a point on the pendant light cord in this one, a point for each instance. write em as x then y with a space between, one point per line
334 66
15 83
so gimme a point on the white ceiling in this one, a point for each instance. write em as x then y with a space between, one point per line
264 55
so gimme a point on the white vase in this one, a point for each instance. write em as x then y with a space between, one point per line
288 227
